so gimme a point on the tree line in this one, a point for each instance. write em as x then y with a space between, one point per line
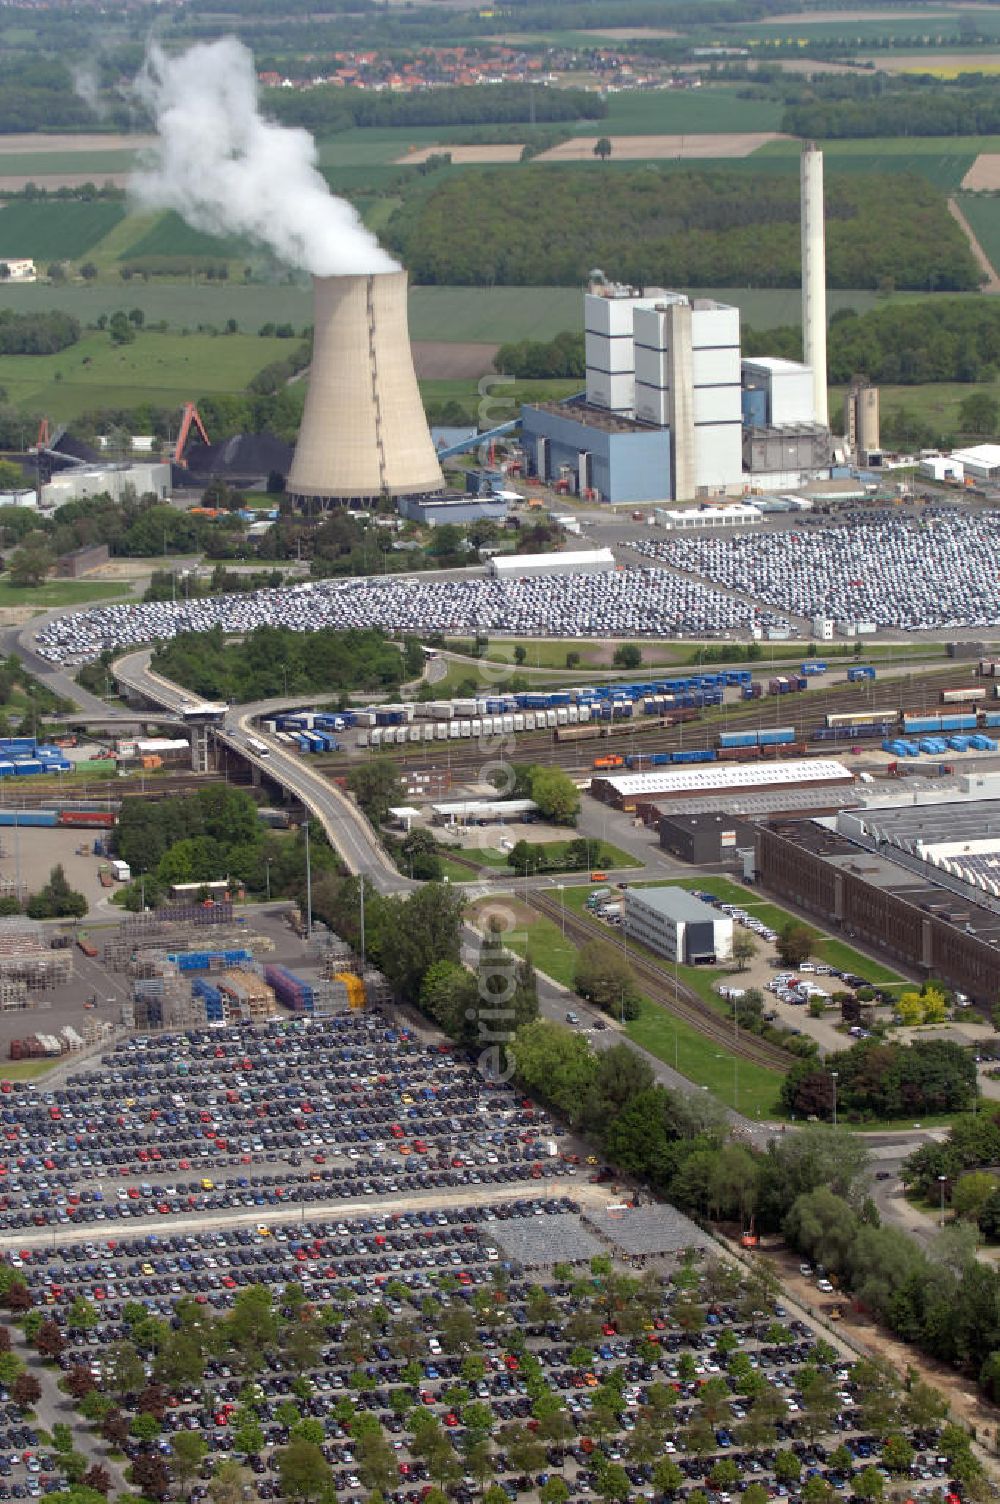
541 360
900 344
331 108
957 110
880 1079
274 661
43 333
697 227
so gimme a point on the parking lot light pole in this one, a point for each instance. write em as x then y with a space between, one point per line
834 1076
562 907
942 1181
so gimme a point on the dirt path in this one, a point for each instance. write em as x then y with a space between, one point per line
992 284
867 1336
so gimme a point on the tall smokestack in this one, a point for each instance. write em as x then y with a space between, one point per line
814 277
364 433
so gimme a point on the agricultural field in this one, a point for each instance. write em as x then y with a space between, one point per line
856 29
165 369
184 305
983 214
710 111
61 593
170 236
56 231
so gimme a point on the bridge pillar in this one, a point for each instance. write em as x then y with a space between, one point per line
200 757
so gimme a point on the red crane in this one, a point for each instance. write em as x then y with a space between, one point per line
191 418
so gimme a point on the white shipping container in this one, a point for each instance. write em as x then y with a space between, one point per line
508 722
562 715
464 707
441 731
584 714
574 714
428 732
454 730
518 720
550 718
477 726
376 736
466 728
529 720
414 733
362 738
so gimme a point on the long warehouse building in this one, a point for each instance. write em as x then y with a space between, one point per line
530 566
625 791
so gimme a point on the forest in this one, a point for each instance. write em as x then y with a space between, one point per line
693 228
37 333
328 109
274 661
883 1080
955 111
900 344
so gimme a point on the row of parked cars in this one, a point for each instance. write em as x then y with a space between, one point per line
404 1272
351 1106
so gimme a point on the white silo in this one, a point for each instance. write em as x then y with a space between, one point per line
364 433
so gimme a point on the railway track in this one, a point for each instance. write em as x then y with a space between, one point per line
805 711
677 999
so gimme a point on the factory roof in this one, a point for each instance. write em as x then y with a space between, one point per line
578 411
568 560
923 826
728 776
979 454
777 365
673 903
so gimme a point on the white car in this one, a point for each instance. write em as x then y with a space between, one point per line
825 1286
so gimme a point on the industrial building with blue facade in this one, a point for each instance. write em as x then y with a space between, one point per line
618 458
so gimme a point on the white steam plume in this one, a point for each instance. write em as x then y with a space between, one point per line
228 171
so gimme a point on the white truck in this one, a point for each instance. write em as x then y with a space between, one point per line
121 872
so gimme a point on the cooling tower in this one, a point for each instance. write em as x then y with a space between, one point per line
363 434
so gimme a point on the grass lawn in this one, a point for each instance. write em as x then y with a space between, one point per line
552 855
25 1070
752 1089
663 112
937 403
159 368
61 593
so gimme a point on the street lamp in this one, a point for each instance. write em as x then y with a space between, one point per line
834 1076
736 1081
942 1181
267 877
562 908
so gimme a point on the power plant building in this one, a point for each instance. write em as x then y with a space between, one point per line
671 412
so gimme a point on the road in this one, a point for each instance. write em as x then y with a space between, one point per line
346 828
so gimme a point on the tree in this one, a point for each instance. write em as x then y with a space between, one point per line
27 1391
188 1450
897 1454
227 1483
83 1314
556 795
602 149
97 1478
979 413
869 1484
795 942
121 331
88 271
602 976
376 786
29 564
304 1472
744 949
970 1195
667 1476
817 1490
628 655
787 1467
57 900
150 1475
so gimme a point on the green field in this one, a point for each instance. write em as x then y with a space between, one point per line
26 1070
937 404
904 28
61 593
62 231
671 112
42 164
170 236
983 213
165 369
183 305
